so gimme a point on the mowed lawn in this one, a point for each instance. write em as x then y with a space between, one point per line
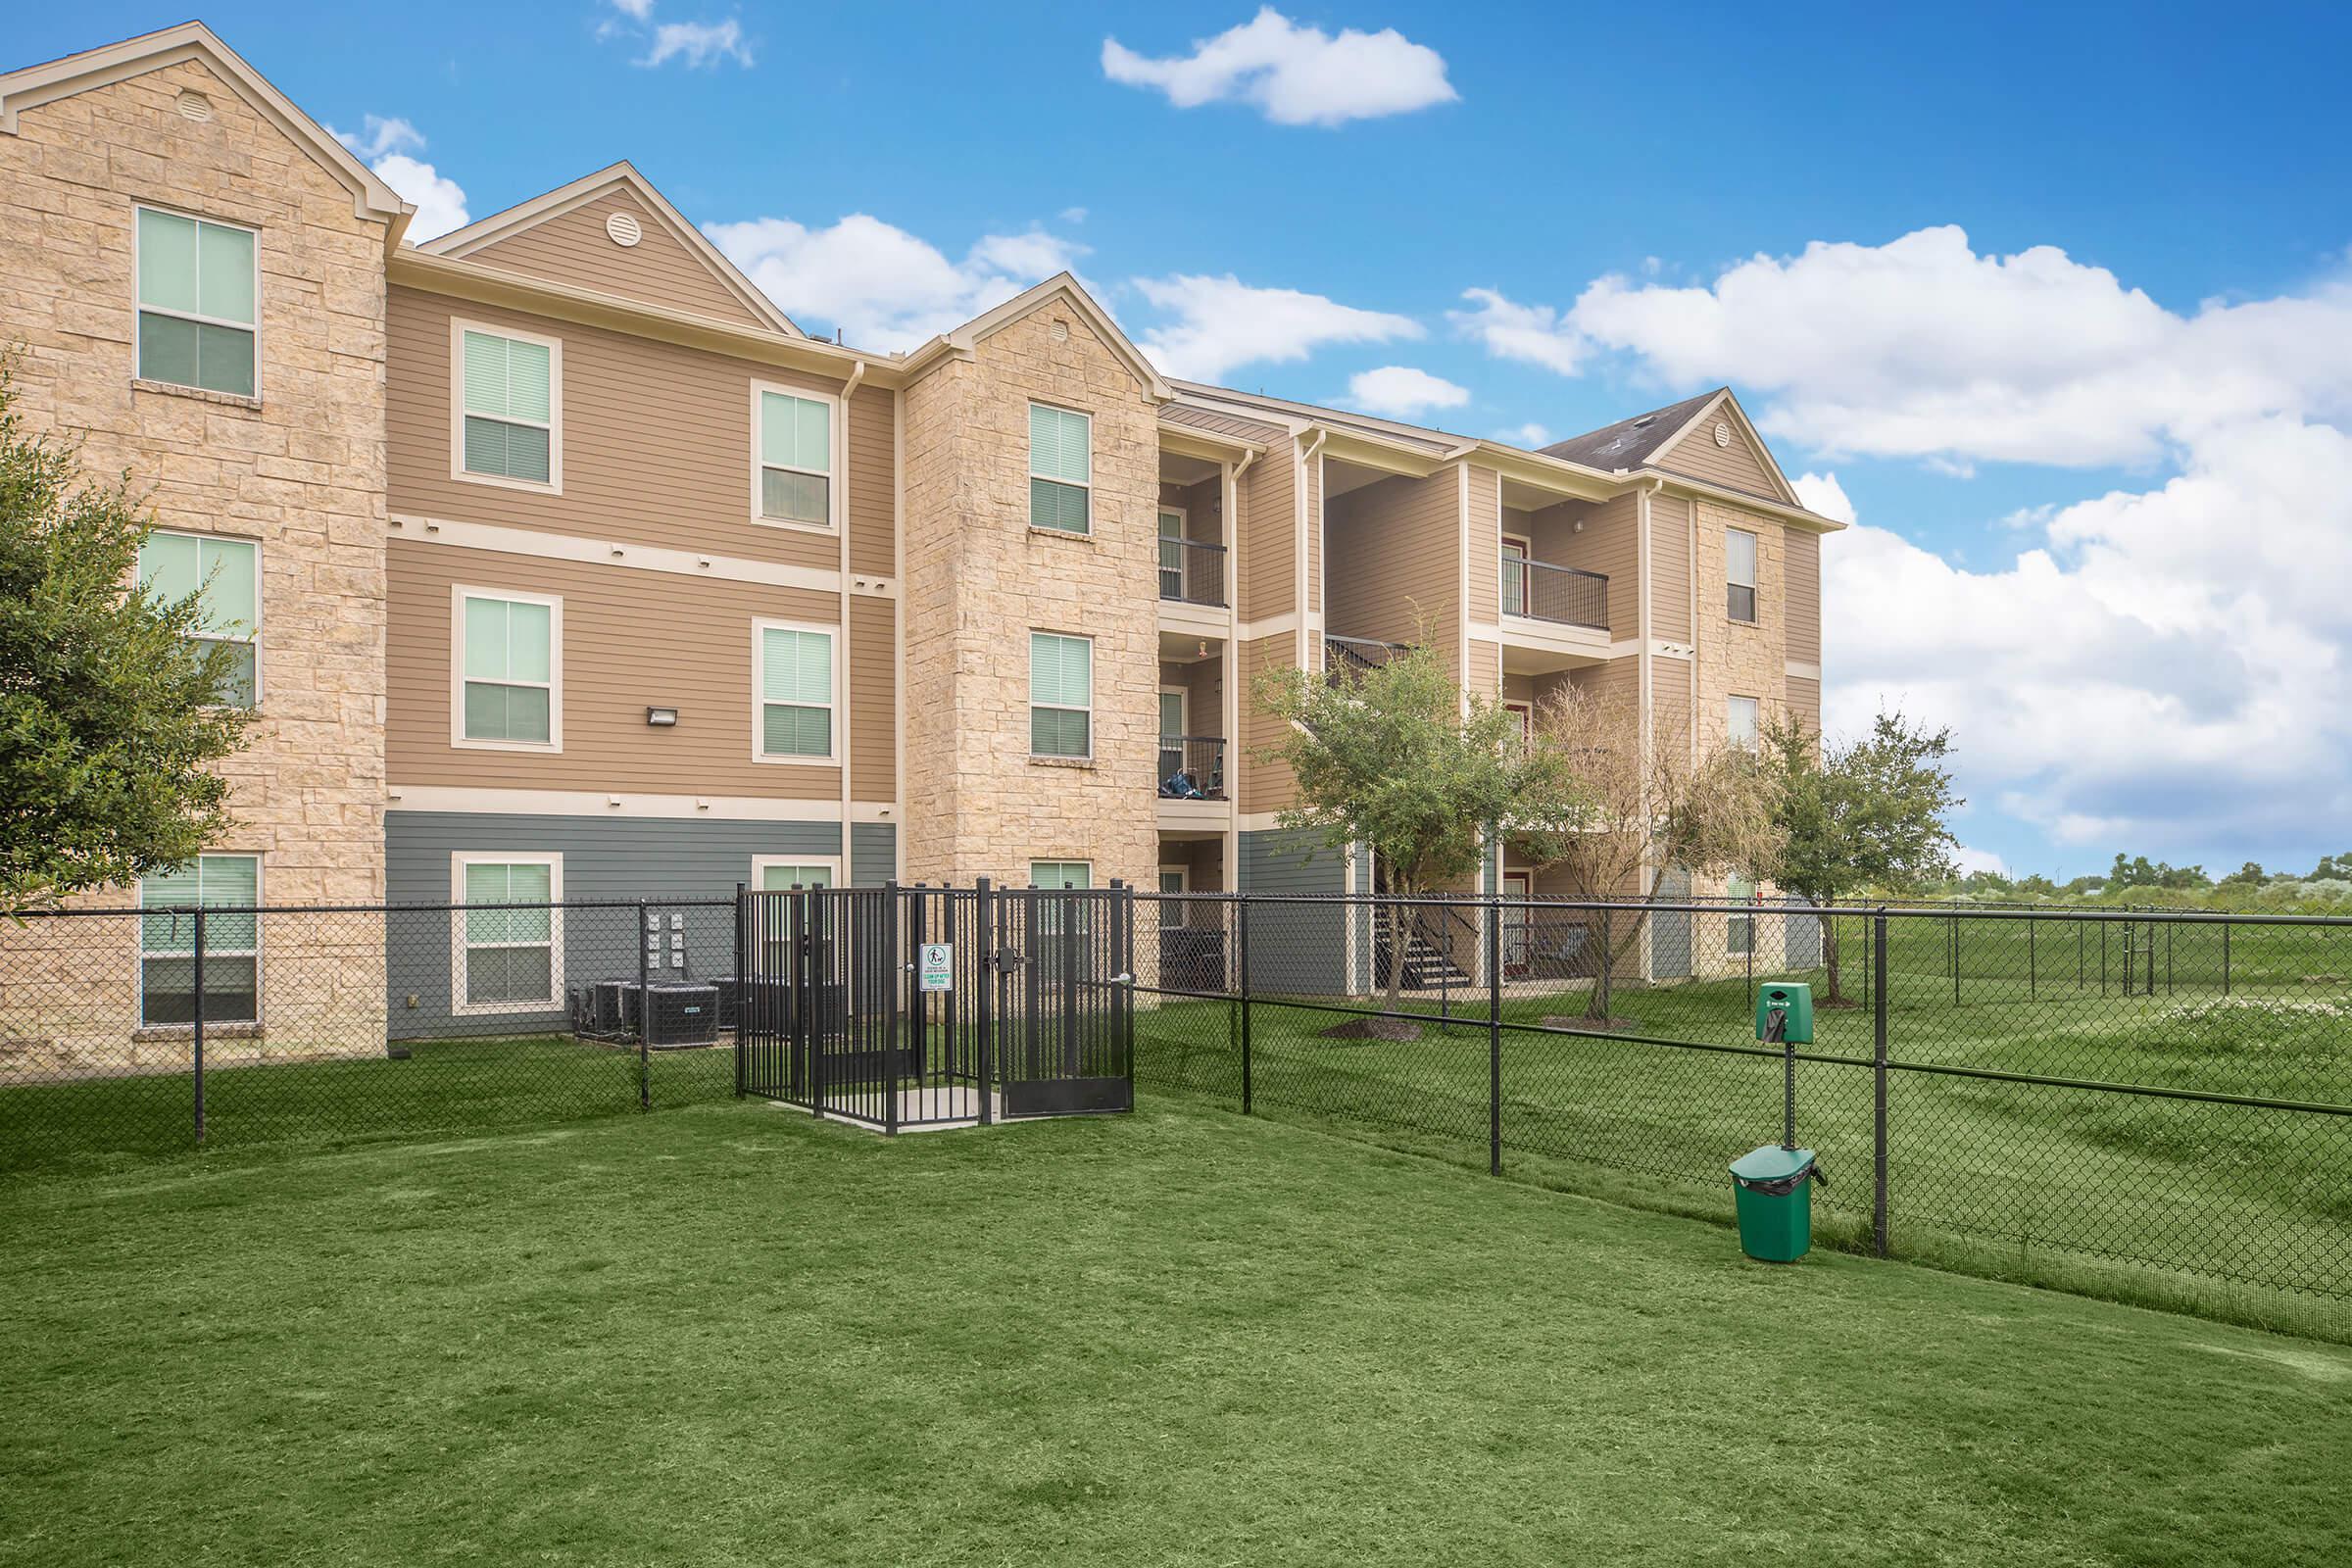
727 1334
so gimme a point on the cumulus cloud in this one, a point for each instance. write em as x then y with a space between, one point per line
1529 435
1401 392
1296 76
385 142
1509 331
1822 493
1968 861
1220 322
698 43
884 287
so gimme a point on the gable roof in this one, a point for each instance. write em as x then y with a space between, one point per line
1633 443
52 79
554 204
1063 286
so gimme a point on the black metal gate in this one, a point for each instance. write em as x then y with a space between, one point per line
912 1006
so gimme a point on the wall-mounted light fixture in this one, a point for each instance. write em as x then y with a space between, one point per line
661 718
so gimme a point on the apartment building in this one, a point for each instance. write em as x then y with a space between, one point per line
572 566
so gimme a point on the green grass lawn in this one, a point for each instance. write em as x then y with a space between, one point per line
729 1334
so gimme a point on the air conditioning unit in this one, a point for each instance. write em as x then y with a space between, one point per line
614 1010
680 1016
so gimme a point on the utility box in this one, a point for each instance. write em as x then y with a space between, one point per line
1794 1003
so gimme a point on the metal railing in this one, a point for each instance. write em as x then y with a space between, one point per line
1542 591
1345 657
1192 768
1192 571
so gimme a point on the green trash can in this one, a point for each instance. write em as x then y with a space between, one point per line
1773 1190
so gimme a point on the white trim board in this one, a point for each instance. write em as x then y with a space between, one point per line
545 546
481 801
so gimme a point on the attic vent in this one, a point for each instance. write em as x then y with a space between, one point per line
1059 332
1643 424
623 230
195 106
1723 434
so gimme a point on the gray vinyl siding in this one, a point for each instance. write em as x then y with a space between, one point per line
1297 949
873 854
697 865
1804 937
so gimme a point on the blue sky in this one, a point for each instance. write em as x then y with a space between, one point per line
2059 297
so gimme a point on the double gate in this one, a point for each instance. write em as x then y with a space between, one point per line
912 1007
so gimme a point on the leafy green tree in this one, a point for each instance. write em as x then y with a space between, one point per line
1867 814
108 718
1395 759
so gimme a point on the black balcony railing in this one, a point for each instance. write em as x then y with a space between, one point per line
1348 657
1192 768
1542 591
1192 571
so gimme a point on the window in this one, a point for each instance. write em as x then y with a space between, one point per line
795 721
226 574
198 285
1172 879
1171 553
1739 721
778 874
510 667
1061 685
1061 468
1060 874
1515 554
795 459
510 959
1739 930
1524 712
509 405
232 942
1740 568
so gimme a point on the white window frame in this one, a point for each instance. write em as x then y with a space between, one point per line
553 860
1527 553
1527 718
1062 860
1180 538
1173 914
259 556
1184 705
1731 704
760 626
761 863
1088 485
553 744
836 446
1739 925
1033 706
260 900
459 327
138 370
1756 597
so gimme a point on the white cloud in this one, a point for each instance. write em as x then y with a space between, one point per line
1534 333
1400 392
386 142
698 43
1073 215
1297 76
1529 435
1221 323
1822 493
634 9
1969 860
884 287
1922 348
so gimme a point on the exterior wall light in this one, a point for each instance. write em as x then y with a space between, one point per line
661 718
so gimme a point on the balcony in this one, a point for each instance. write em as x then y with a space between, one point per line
1192 768
1542 591
1346 658
1192 571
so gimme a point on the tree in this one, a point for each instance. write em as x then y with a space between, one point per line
1707 810
1395 759
1869 813
109 713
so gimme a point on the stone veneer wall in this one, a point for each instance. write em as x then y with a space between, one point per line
979 580
301 470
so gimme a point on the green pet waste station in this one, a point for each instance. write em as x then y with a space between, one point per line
1772 1187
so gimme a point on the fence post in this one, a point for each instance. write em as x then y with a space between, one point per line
196 1038
1955 960
985 967
894 976
1607 961
743 981
2225 958
1494 935
645 1019
2033 971
1877 1073
1241 942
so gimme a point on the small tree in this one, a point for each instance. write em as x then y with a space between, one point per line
1705 809
1393 758
1867 814
109 713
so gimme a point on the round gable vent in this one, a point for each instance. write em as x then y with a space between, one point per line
195 106
623 230
1723 433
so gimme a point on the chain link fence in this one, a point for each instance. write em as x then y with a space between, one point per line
2156 1094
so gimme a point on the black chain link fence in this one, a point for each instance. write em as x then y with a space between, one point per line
2142 1097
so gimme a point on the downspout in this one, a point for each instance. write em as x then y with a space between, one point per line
849 868
1313 451
1644 675
1233 668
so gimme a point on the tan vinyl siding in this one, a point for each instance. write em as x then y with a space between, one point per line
1314 534
574 249
1268 534
1670 706
873 698
1266 783
1803 557
1485 668
1804 702
1485 524
1608 544
1399 542
656 443
632 639
874 493
1738 465
1670 521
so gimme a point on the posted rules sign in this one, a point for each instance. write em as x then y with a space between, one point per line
937 966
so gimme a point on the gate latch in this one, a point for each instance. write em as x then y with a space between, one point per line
1007 960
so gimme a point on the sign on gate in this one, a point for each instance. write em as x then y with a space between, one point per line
937 966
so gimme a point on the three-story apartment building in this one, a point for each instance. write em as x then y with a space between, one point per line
573 567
